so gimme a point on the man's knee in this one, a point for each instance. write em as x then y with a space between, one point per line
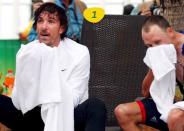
120 110
175 116
121 113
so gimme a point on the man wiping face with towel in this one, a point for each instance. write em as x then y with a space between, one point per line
165 61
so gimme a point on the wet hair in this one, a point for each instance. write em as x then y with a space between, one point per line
158 20
52 8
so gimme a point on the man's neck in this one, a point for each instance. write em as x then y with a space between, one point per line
178 40
55 44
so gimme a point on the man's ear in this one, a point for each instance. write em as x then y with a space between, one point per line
62 29
170 31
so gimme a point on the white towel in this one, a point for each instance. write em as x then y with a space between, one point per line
161 60
38 83
179 105
37 79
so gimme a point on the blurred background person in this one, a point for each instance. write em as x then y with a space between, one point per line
147 8
128 9
32 35
75 18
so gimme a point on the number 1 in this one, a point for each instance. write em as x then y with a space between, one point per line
94 14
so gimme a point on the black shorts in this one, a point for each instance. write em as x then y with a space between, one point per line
150 114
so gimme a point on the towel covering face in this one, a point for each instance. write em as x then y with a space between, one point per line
161 60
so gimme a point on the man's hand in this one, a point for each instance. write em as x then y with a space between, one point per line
36 5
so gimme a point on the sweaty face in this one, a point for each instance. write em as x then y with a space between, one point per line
49 29
155 36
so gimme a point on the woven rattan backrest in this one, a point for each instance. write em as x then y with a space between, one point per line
173 12
117 68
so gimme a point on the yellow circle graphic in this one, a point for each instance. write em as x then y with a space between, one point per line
94 14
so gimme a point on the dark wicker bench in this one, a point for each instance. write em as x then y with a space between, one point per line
117 68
